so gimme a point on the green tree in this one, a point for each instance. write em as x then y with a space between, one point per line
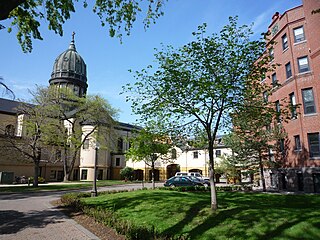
127 173
150 145
30 143
197 85
257 130
119 15
68 113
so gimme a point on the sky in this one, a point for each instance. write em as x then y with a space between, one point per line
109 61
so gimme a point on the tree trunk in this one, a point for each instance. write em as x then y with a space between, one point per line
152 175
74 158
262 173
36 169
65 166
214 203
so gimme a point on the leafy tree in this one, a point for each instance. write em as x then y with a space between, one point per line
257 130
31 144
150 145
197 85
68 113
27 15
127 173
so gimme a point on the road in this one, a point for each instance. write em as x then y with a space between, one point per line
31 216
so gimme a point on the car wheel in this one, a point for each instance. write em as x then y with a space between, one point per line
172 186
206 185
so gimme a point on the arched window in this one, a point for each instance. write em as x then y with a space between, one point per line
10 130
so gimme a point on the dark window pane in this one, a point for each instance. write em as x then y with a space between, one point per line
308 101
314 146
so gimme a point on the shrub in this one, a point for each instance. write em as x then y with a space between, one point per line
40 180
127 173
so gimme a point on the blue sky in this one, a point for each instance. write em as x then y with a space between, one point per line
108 61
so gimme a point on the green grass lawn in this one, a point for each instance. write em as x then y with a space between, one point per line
59 186
240 215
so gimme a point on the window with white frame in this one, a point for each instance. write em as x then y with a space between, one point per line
303 64
308 101
284 42
298 34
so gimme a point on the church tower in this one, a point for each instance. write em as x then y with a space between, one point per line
69 70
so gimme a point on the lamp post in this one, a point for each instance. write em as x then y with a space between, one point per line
94 191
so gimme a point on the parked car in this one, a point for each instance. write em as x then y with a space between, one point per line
179 181
192 174
204 182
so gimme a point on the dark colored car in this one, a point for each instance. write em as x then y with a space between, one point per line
181 181
205 183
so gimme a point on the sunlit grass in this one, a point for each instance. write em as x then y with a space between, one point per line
240 215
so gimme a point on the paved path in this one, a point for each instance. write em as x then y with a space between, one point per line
31 216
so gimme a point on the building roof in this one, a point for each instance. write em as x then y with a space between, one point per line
9 106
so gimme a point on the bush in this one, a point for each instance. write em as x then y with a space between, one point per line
40 180
127 173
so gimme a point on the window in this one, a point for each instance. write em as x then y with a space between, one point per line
58 155
86 144
314 144
282 146
271 155
278 111
274 80
53 174
218 153
84 174
297 143
117 162
9 131
293 106
303 64
288 70
298 34
174 154
265 96
120 144
284 42
308 101
271 54
195 154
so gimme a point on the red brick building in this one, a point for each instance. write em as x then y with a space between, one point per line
297 36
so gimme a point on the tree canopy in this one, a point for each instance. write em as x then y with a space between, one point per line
199 84
120 15
150 145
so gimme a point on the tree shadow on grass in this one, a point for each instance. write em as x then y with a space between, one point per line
12 221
